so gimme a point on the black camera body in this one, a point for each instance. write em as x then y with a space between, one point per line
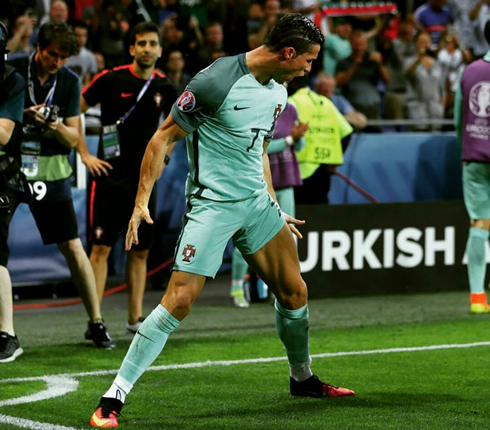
50 113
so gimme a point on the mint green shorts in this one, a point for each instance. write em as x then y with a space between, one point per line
476 189
209 225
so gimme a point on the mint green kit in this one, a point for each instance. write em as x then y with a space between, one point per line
228 115
476 189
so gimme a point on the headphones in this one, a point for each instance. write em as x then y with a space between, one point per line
4 37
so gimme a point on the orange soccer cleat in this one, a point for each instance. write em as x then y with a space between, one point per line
313 387
106 414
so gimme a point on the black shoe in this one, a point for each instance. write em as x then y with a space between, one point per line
97 332
106 413
313 387
9 347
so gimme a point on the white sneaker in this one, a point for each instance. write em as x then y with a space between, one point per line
131 329
240 300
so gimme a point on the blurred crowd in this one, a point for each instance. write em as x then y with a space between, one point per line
390 60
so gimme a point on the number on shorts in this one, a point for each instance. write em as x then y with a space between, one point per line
39 189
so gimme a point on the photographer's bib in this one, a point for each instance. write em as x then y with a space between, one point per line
30 152
50 191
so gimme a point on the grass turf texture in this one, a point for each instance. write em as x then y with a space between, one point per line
440 389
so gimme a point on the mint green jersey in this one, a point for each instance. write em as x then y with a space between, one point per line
228 115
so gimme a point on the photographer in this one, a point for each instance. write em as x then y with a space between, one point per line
51 119
12 189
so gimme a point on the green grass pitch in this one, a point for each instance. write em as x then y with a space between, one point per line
396 389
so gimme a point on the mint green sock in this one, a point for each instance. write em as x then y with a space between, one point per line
147 343
476 253
292 327
239 269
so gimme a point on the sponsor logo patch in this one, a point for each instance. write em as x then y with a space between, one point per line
186 102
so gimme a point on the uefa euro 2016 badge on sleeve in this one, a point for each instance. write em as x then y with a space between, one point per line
30 152
110 141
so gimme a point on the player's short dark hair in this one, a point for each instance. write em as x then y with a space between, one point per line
60 33
144 27
294 30
486 31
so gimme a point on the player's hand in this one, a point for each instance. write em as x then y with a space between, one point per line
292 223
33 116
96 166
299 130
51 127
139 214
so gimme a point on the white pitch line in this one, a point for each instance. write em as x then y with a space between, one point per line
56 386
32 425
259 360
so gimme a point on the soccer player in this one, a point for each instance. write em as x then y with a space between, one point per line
471 113
132 99
228 113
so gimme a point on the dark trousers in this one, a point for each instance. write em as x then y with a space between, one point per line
315 188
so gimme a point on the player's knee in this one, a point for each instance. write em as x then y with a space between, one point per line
294 298
99 253
178 302
139 255
71 247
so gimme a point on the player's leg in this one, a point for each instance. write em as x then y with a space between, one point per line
208 226
7 208
476 254
108 220
476 188
136 265
9 343
183 289
98 260
82 276
10 347
6 302
239 268
136 268
273 255
57 223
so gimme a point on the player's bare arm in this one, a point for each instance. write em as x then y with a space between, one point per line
160 145
95 165
66 131
292 222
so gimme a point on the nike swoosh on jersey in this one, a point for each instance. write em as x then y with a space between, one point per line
241 108
126 95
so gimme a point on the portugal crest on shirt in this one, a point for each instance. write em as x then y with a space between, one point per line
186 102
188 252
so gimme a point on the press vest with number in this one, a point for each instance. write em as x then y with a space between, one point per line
323 141
475 86
53 164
